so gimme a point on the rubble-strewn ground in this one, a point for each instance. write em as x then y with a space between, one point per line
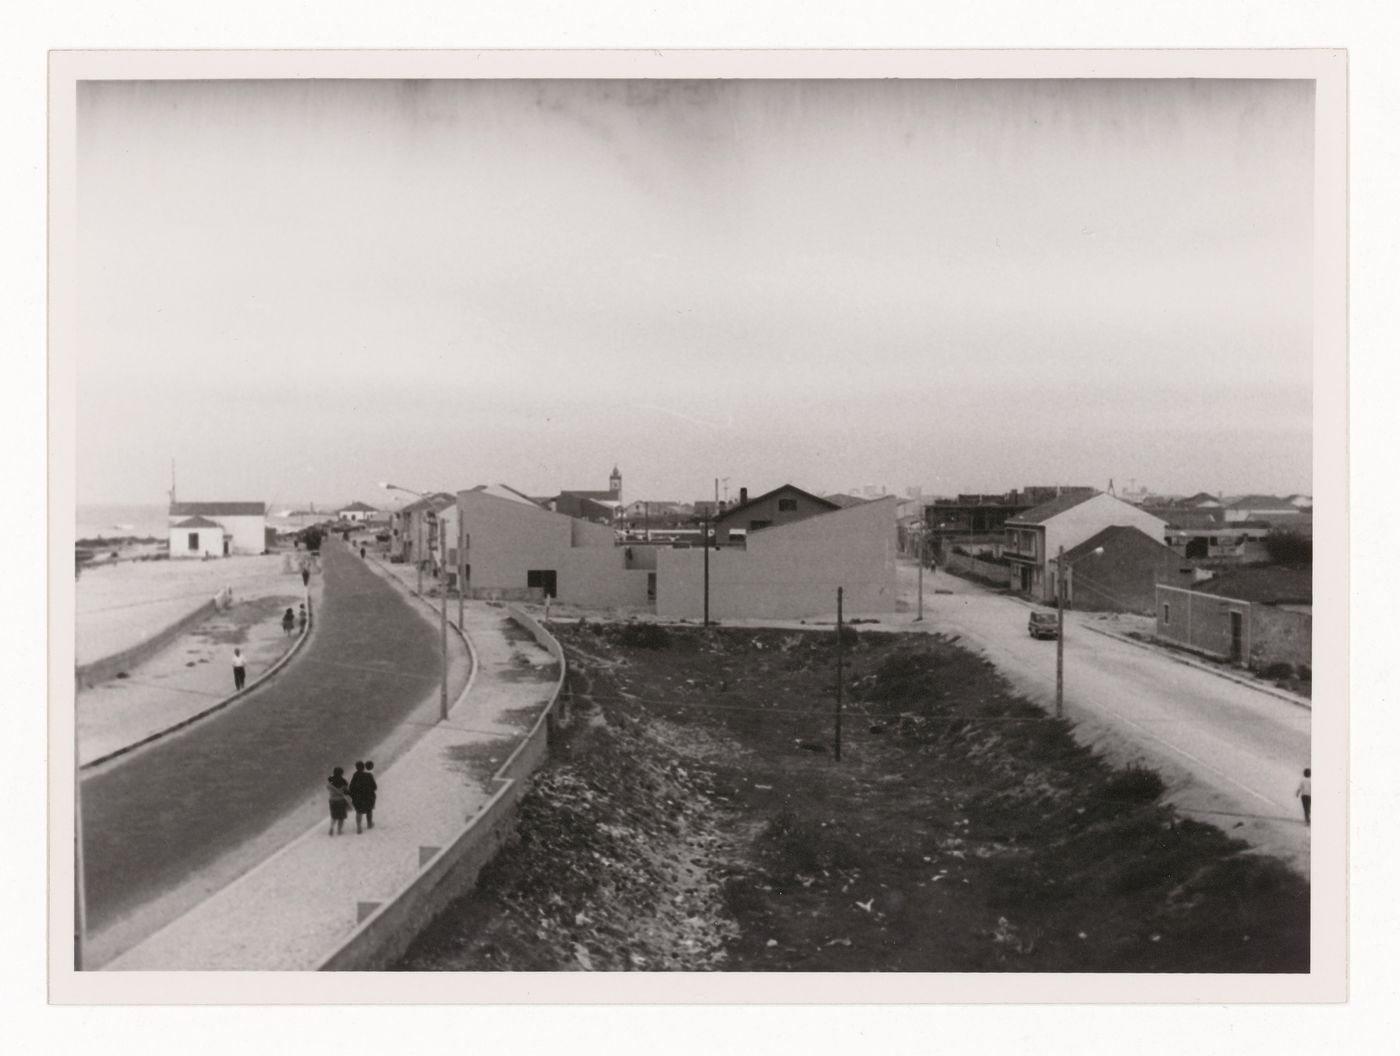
694 817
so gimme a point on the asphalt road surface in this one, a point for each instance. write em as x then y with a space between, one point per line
1231 754
154 818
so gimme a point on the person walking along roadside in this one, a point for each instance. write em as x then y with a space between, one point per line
362 795
239 672
339 790
288 620
1304 794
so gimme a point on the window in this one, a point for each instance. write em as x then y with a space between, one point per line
1166 614
194 540
787 505
756 525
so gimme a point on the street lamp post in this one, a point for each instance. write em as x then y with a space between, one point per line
440 525
1060 569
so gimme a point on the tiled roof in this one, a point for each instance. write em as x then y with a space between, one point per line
358 507
1042 513
1270 585
216 509
197 522
1187 518
1116 535
843 500
1268 502
769 494
595 495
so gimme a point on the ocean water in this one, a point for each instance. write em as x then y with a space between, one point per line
110 521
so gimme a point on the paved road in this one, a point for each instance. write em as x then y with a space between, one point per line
153 819
1231 754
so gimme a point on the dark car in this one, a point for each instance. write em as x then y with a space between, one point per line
1044 625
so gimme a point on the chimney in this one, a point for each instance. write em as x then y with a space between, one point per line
743 496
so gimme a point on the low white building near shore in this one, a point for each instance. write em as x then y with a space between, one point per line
196 537
244 526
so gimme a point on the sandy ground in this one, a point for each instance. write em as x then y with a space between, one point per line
122 604
190 675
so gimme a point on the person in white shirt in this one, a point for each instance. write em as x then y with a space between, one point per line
1304 793
239 674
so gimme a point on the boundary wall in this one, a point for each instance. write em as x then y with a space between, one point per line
384 935
89 674
239 695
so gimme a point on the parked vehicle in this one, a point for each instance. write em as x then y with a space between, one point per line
1044 625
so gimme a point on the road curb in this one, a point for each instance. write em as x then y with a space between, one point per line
1291 698
190 720
472 660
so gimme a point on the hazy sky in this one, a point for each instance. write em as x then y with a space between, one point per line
296 289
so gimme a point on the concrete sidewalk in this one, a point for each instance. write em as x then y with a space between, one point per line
295 908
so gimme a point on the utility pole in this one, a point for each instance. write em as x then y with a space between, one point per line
1060 634
418 517
461 566
79 884
442 590
920 617
840 673
705 545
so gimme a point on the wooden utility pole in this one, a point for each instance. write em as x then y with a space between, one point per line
920 617
840 673
1060 634
705 541
442 591
461 566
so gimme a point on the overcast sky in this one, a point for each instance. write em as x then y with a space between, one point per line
297 289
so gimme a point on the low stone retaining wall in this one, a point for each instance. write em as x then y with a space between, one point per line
976 567
383 936
90 674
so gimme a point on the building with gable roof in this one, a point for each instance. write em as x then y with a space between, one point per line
1034 537
244 525
783 505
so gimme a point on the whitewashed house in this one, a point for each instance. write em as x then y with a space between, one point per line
196 537
359 512
244 525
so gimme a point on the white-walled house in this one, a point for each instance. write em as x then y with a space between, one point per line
196 537
244 524
358 512
787 571
1034 538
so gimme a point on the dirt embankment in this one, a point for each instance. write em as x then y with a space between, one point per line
694 817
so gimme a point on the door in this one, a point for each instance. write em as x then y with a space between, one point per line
543 578
1236 636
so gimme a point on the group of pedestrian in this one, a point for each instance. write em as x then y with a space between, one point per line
359 793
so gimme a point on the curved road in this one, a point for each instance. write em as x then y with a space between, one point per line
1230 753
154 818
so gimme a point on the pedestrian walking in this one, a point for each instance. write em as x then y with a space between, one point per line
362 795
339 790
239 673
288 620
362 553
1304 794
305 576
301 617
